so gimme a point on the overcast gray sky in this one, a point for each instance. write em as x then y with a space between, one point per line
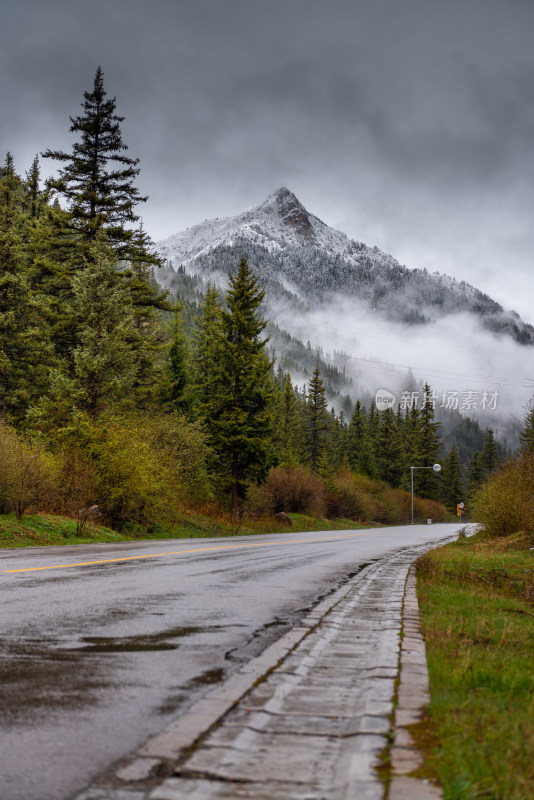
408 124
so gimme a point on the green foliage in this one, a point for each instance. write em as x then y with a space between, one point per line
234 384
205 361
288 429
475 475
344 494
139 468
427 450
452 488
476 606
527 434
24 350
104 368
359 497
389 449
27 472
290 489
505 501
175 392
356 434
317 419
490 453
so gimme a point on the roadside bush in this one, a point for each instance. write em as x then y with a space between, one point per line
129 483
348 494
150 468
76 487
392 507
28 472
289 489
426 509
139 469
355 497
505 502
363 499
181 446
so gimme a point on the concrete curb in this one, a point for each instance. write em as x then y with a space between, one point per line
413 695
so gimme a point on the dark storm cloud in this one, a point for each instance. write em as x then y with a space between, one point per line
407 124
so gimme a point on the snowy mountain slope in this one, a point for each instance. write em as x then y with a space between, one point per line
302 264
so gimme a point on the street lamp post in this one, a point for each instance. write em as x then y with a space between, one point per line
436 468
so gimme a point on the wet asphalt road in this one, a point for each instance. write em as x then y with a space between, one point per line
96 658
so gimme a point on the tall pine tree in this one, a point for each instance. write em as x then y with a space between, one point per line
25 350
175 394
356 434
526 436
288 427
475 475
428 449
237 386
317 419
389 451
206 357
452 487
97 178
104 367
490 453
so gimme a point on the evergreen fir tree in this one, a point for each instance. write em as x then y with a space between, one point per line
325 470
206 357
373 421
490 453
176 394
366 460
356 434
475 475
526 436
429 448
34 196
342 440
317 421
24 340
139 275
51 264
104 367
452 488
288 427
97 177
389 450
411 429
238 411
366 463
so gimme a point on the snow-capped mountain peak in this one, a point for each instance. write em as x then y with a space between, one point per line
302 262
290 211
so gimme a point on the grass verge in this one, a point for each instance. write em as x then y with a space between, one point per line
476 599
49 529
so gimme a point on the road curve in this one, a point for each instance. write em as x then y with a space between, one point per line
103 645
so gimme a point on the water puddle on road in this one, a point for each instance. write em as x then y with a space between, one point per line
208 677
136 644
131 644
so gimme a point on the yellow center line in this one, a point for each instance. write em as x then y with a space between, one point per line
185 552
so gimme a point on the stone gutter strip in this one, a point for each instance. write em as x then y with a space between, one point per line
413 695
307 718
